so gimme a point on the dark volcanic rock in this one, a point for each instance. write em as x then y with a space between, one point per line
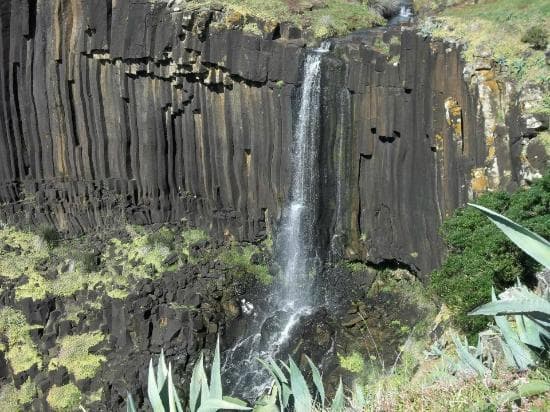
140 112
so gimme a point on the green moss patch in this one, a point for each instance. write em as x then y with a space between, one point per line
239 261
353 362
17 400
74 354
20 350
64 398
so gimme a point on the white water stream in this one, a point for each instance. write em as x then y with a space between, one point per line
295 243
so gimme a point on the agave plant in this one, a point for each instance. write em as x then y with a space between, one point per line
290 388
531 335
204 397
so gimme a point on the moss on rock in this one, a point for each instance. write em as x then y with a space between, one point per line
64 398
20 350
13 399
74 354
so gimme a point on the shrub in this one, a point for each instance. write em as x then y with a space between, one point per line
537 37
480 257
49 235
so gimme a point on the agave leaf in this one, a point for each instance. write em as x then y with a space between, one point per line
130 405
338 401
153 391
286 394
514 307
285 366
196 383
529 332
534 245
173 400
358 397
468 359
215 375
317 381
236 401
216 404
276 379
300 391
268 402
162 371
523 356
533 388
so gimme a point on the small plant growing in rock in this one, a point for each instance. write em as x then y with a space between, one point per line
536 37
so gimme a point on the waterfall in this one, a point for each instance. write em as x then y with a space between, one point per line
295 245
296 241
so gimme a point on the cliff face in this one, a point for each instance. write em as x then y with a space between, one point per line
133 111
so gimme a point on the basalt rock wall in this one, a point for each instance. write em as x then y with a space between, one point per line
137 111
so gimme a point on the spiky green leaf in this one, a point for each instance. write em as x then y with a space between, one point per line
268 402
153 390
468 359
162 370
338 401
217 404
317 381
534 245
130 405
196 384
300 391
533 388
215 374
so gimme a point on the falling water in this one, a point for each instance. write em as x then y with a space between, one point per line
295 243
296 240
405 12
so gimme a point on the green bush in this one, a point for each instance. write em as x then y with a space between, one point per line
537 37
480 256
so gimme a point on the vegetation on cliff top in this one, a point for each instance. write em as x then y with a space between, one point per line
480 257
323 18
496 28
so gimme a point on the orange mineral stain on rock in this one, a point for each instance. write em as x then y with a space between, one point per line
479 181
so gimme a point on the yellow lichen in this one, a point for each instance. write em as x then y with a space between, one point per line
479 181
21 352
17 400
74 354
64 398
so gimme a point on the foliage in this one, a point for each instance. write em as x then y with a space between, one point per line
64 398
532 312
49 235
203 397
537 37
353 362
239 261
497 27
290 389
480 257
525 339
74 354
21 352
329 18
16 400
